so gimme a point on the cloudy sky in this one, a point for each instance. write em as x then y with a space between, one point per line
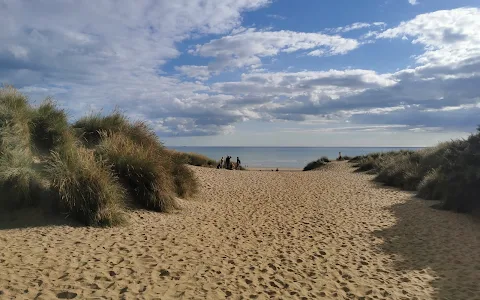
255 72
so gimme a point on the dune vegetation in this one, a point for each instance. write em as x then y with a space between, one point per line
92 169
316 164
449 172
194 159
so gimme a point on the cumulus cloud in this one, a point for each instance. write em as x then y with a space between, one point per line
247 47
198 72
332 83
94 56
441 92
413 2
109 53
450 37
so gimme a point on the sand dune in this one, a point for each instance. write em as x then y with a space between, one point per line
329 234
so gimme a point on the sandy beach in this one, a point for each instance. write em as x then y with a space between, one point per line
331 234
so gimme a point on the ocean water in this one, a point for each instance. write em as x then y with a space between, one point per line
281 157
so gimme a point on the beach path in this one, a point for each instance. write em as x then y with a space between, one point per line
331 234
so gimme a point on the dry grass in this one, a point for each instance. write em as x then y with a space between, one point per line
449 172
144 169
88 167
193 159
48 126
17 174
186 184
316 164
87 189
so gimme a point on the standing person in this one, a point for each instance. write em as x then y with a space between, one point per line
339 155
221 163
227 162
238 163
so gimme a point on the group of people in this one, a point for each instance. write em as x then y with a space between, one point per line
228 164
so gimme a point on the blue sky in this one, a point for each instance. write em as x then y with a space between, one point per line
255 72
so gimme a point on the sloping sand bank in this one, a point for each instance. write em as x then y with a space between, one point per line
253 235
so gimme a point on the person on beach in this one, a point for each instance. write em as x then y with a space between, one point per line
221 163
227 162
339 155
238 163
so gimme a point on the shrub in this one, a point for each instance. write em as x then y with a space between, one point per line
144 169
49 126
316 163
86 187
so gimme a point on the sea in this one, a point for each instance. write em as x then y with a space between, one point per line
282 157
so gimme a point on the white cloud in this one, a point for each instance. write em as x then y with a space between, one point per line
356 26
332 83
246 48
198 72
450 37
413 2
109 54
278 17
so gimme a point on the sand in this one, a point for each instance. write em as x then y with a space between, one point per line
331 234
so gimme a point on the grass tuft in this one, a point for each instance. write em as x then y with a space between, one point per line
86 169
316 164
90 127
87 189
18 176
449 172
48 126
186 184
193 159
143 168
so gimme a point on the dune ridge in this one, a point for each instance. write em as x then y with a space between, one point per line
331 234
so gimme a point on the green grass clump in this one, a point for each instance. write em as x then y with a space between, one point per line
48 125
449 172
186 184
86 168
316 163
193 159
87 189
145 170
18 177
91 128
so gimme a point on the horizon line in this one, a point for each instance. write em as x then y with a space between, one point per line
176 146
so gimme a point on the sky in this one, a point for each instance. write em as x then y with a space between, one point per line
255 72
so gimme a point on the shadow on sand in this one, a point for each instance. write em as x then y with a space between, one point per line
444 242
32 217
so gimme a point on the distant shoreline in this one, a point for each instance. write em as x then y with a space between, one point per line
281 157
273 168
319 147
